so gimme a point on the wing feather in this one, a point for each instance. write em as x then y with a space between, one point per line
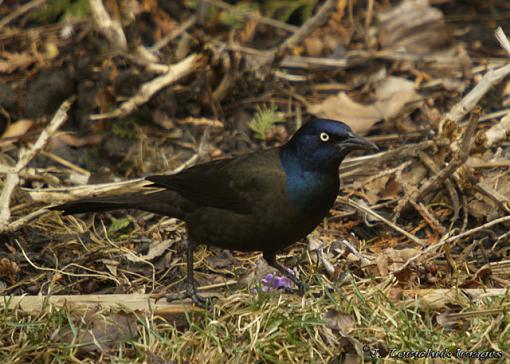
208 184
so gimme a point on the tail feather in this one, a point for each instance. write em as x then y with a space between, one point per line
95 204
166 202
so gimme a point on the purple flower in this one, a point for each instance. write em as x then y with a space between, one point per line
273 281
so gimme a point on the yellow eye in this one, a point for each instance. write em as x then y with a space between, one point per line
324 136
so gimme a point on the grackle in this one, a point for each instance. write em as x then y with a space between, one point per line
261 201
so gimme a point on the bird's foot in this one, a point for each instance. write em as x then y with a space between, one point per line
191 292
301 288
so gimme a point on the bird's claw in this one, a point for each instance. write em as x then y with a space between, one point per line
191 292
301 288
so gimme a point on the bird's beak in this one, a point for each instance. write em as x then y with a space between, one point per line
356 142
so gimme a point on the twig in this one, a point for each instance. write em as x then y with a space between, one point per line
142 303
66 163
62 194
500 130
496 133
459 159
469 101
387 222
174 73
19 223
454 196
20 11
306 29
111 29
174 33
451 239
428 217
477 229
503 40
25 157
63 272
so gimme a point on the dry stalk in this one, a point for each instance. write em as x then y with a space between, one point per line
306 29
174 73
386 221
111 29
20 11
25 156
52 195
491 78
446 240
459 159
174 33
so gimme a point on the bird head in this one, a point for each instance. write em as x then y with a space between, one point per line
323 143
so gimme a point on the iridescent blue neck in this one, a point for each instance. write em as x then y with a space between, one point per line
309 188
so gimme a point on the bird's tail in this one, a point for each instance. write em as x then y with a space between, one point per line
164 202
99 204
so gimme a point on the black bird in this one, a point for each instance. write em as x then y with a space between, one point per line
262 201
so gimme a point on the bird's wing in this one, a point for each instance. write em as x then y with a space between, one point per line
235 184
210 184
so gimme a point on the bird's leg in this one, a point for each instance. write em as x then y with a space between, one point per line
191 285
270 258
191 288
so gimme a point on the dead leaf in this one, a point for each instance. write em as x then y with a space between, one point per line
111 265
414 26
220 260
16 129
498 132
373 188
344 324
99 332
391 189
156 249
395 294
313 46
9 269
339 321
14 61
391 260
341 107
77 142
392 94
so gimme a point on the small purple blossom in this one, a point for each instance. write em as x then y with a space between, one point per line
273 281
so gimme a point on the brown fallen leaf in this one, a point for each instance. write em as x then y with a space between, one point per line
156 249
16 129
340 321
14 61
344 324
391 260
9 269
97 331
341 107
77 142
314 46
392 95
414 26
